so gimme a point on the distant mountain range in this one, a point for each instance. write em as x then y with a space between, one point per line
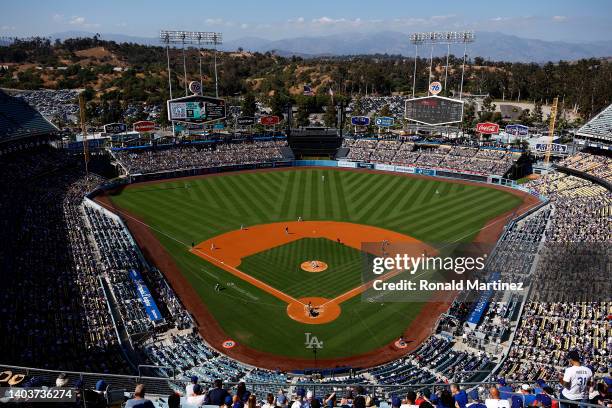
489 45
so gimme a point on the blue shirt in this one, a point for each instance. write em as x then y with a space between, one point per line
461 398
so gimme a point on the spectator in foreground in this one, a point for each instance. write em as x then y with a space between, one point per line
494 400
189 387
527 395
174 401
139 400
410 401
300 399
423 399
217 395
575 380
251 402
359 402
543 399
446 400
242 392
198 397
229 401
330 400
269 401
62 380
460 396
281 399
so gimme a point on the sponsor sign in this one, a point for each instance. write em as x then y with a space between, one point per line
344 163
384 167
384 121
487 128
517 130
365 165
360 121
554 147
425 172
219 126
269 120
435 88
245 120
145 296
195 87
196 109
144 126
404 169
434 110
115 128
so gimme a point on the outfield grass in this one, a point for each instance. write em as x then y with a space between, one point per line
181 212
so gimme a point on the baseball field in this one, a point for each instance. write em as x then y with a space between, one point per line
252 254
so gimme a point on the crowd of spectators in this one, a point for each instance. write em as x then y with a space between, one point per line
596 165
54 312
479 160
570 307
60 252
195 157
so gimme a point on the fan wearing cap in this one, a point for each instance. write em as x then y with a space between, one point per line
575 380
527 395
300 400
505 391
198 397
189 387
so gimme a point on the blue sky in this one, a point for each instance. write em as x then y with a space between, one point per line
567 20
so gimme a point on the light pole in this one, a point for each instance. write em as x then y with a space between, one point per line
200 38
444 37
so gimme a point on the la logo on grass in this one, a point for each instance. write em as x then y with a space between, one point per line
313 341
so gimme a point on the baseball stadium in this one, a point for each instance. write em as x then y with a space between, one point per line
252 250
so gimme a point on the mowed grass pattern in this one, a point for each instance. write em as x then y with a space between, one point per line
185 211
280 268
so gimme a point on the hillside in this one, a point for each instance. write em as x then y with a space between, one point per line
124 73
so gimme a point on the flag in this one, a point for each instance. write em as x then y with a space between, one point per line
308 90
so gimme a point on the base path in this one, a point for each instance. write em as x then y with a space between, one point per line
227 251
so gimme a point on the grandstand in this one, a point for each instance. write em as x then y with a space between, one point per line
19 121
597 132
87 302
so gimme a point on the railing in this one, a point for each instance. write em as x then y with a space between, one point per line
161 387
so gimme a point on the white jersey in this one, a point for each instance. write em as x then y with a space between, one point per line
578 378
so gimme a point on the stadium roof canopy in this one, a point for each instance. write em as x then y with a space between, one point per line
18 120
599 129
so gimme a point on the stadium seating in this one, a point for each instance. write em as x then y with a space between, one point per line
595 165
195 157
18 119
42 194
468 159
599 128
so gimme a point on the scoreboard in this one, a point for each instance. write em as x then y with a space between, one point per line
196 109
434 110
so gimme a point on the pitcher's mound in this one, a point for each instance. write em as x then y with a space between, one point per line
313 266
313 310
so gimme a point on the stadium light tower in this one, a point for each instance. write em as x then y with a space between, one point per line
441 37
200 38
